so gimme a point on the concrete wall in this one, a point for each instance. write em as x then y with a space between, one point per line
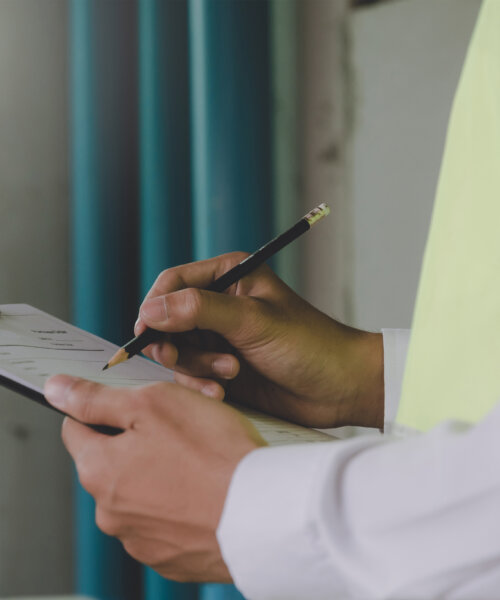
406 59
323 153
35 473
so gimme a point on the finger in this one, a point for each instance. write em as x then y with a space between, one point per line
139 327
199 353
90 402
86 449
208 387
262 282
166 354
78 438
198 274
197 363
148 351
193 308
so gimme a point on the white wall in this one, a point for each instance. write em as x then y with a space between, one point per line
406 58
35 473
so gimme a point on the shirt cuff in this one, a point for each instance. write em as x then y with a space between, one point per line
269 534
395 350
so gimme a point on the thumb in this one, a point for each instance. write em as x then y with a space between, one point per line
91 403
192 308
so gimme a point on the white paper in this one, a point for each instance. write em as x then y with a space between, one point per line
35 345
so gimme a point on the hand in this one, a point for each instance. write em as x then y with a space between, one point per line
281 355
161 485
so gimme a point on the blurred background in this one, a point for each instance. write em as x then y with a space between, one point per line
139 134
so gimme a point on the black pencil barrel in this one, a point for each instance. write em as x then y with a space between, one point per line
258 257
137 344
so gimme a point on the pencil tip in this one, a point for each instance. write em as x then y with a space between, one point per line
119 357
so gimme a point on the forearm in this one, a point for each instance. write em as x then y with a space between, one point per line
363 363
354 389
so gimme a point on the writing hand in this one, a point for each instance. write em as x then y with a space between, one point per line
279 353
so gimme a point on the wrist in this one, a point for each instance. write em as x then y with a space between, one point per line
350 378
366 366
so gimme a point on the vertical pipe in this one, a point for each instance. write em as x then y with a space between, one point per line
104 166
231 125
165 206
164 137
231 137
104 189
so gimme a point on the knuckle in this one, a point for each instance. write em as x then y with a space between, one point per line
66 424
106 522
146 412
153 553
193 301
146 397
86 475
86 411
130 547
80 396
251 309
110 493
138 549
166 281
237 256
231 259
159 392
254 317
135 402
159 388
151 399
79 387
90 472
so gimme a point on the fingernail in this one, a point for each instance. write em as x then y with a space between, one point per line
223 366
212 391
137 326
154 309
56 389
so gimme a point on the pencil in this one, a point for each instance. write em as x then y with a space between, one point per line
149 336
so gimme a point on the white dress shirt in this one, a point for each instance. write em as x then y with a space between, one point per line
376 517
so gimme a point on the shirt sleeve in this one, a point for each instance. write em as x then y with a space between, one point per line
396 343
369 518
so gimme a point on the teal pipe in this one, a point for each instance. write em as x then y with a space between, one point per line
231 138
104 241
104 167
164 138
231 125
165 181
